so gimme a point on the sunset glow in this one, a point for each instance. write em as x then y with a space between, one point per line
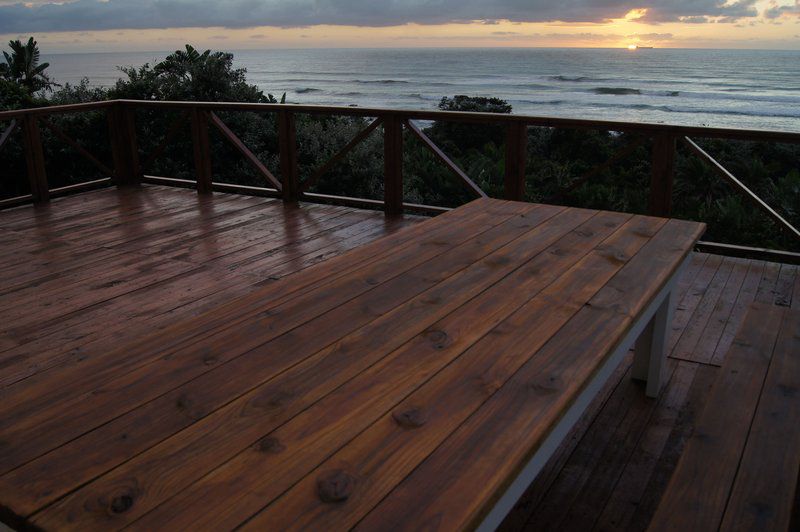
635 14
769 24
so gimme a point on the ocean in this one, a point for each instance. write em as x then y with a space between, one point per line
723 88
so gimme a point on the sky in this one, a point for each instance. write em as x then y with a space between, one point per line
156 25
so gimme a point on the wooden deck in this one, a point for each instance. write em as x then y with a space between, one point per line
96 269
615 468
101 269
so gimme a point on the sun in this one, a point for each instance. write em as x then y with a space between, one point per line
632 47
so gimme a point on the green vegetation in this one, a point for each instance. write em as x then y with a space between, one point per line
22 67
556 157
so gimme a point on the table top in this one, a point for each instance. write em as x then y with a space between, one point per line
405 382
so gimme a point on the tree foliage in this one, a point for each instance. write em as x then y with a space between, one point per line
23 68
189 75
556 157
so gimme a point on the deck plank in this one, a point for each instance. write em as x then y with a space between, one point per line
89 334
784 286
796 291
617 477
766 481
462 460
746 296
610 403
767 288
720 315
699 491
331 367
227 315
135 376
237 378
389 451
621 498
686 347
687 305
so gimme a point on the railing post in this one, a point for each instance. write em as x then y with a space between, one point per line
516 157
34 159
202 150
287 140
662 174
393 165
124 147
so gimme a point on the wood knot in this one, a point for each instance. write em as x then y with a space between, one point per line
270 445
411 418
494 262
617 256
335 486
182 402
187 407
276 399
437 338
432 300
372 282
210 359
546 385
533 271
121 503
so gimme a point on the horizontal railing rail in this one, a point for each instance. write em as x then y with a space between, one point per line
201 116
421 114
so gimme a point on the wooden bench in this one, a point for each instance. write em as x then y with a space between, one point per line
739 470
418 381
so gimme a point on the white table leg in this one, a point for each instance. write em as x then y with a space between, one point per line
650 349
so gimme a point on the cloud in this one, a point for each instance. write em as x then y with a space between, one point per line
776 11
695 20
694 10
652 36
78 15
579 37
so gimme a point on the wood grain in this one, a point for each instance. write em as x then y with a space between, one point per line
331 393
699 489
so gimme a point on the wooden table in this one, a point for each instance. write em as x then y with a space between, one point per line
422 379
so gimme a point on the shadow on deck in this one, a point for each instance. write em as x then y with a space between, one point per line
93 270
613 470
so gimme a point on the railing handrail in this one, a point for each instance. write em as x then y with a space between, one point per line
57 109
128 169
789 137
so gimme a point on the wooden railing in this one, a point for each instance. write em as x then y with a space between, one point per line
126 167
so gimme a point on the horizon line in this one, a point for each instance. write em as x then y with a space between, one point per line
430 48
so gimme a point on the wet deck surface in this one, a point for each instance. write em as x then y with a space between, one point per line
96 269
612 472
99 269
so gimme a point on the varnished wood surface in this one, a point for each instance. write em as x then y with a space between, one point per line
339 394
